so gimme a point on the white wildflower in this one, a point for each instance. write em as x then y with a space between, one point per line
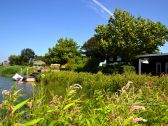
138 107
126 87
136 120
77 86
5 92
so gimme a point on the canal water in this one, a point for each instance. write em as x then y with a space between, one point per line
8 84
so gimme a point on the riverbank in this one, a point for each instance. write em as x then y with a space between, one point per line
7 83
9 71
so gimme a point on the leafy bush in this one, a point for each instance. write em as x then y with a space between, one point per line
90 65
55 67
128 69
91 82
75 64
120 69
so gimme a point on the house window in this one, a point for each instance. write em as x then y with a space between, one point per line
158 68
110 59
119 58
166 67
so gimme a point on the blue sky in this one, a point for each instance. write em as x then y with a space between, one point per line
38 24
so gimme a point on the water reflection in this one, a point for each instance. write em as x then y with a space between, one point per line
8 84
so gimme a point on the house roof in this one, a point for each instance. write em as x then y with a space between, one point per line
152 55
39 62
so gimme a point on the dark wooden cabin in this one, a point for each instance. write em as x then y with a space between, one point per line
155 64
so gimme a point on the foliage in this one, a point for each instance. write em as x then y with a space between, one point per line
111 69
91 65
109 101
126 36
42 58
54 67
75 64
9 108
9 71
27 55
62 52
93 49
120 69
58 81
128 69
132 104
25 58
14 60
29 70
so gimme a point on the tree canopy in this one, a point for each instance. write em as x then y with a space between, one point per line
126 36
27 55
63 51
92 48
14 59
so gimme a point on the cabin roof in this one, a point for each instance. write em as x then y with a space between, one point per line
39 62
152 55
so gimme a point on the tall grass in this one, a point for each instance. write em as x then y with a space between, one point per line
69 98
129 106
9 71
59 81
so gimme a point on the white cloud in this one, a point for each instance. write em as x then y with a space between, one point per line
103 7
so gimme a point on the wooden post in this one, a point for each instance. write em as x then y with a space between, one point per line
27 73
139 67
21 71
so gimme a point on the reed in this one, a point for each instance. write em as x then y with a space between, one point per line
9 71
89 99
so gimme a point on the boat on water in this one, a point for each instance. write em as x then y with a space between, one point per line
27 78
17 77
20 78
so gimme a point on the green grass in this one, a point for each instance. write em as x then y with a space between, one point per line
9 71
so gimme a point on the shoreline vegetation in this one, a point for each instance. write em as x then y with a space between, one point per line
71 98
9 71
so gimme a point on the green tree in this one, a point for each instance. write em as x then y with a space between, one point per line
39 58
127 36
27 55
14 60
93 49
94 53
63 51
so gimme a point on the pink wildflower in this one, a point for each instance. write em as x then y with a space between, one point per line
136 108
136 120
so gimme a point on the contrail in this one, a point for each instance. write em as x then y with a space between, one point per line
103 7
